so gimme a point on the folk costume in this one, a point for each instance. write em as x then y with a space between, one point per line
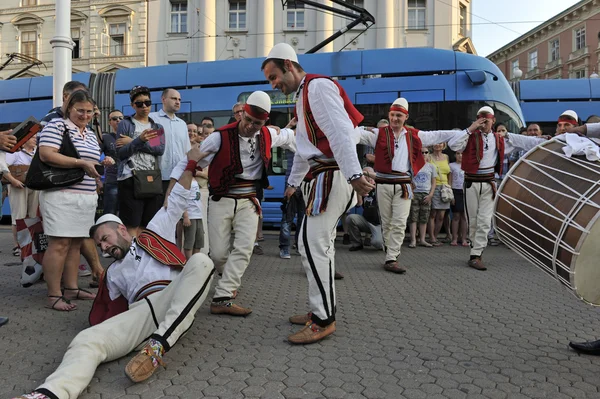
151 292
482 157
398 159
326 146
238 167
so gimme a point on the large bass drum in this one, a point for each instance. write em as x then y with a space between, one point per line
546 210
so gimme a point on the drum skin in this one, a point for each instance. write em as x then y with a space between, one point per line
546 210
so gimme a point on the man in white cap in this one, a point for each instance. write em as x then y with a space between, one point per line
149 291
566 122
238 155
483 154
398 159
326 140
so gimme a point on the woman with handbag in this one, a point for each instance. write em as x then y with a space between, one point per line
138 176
68 212
438 206
23 200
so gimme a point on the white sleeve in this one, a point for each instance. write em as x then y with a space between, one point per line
210 145
300 168
459 141
429 138
593 130
3 165
520 142
328 110
165 220
10 159
368 138
179 169
285 139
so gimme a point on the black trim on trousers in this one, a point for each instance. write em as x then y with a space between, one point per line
152 311
46 392
313 268
184 313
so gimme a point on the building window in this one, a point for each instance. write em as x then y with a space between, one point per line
513 67
295 15
357 3
579 38
580 74
75 36
554 50
533 60
416 14
27 3
117 39
29 43
463 20
237 14
178 17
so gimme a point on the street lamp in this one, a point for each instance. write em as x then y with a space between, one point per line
594 76
517 73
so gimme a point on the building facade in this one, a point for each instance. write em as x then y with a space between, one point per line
208 30
108 34
566 46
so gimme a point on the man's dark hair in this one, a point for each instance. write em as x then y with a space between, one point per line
73 85
112 225
593 119
279 63
208 118
523 130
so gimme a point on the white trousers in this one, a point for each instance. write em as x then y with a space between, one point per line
226 215
316 246
204 196
393 212
479 204
23 203
171 315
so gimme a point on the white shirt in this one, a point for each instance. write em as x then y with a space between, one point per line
593 130
194 201
330 115
458 176
137 269
177 142
19 158
512 142
401 163
249 150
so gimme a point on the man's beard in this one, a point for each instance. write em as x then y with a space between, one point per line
119 250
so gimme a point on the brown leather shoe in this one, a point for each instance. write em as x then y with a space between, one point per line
229 308
301 319
477 263
311 333
142 366
394 267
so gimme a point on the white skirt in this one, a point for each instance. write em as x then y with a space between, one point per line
67 213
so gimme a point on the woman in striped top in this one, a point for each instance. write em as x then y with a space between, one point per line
68 213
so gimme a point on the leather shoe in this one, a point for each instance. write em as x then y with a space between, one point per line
394 267
356 248
477 263
143 365
229 308
311 333
301 319
590 348
338 276
3 321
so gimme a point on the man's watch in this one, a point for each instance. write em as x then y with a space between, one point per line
288 185
355 177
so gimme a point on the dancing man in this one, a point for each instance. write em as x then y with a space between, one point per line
326 139
150 277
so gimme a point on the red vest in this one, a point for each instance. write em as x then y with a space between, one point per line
384 150
315 134
227 161
474 152
160 249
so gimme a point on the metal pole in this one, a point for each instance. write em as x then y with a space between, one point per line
62 49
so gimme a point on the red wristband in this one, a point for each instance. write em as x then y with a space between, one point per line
191 166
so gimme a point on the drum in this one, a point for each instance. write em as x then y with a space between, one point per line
546 210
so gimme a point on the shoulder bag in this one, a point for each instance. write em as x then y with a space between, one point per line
42 176
446 193
147 183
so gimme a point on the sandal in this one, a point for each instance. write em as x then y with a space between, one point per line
436 243
465 244
59 299
79 291
16 251
412 245
425 244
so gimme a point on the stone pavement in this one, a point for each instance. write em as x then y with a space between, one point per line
440 331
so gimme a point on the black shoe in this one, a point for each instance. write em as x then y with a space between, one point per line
356 248
338 276
346 239
3 321
590 348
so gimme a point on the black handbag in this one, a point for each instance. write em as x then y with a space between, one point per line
42 176
147 183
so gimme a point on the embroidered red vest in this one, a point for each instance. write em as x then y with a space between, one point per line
384 150
160 249
227 161
474 152
315 134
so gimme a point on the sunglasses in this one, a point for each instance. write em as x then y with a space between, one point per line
425 152
140 104
208 125
116 118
